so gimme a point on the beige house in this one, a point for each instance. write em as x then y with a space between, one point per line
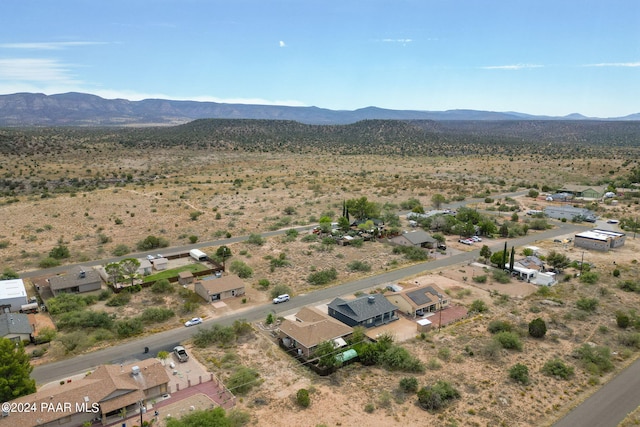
310 328
419 300
220 288
100 396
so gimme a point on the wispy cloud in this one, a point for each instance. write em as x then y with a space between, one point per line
282 44
397 40
48 45
36 70
614 64
512 67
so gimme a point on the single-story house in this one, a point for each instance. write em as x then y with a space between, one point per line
13 295
569 213
583 191
16 327
311 328
417 238
601 240
530 261
185 278
77 280
101 396
367 310
220 288
160 263
419 300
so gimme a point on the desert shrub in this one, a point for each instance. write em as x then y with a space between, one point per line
496 326
444 353
433 364
152 242
264 283
616 272
509 340
629 286
193 238
128 327
411 253
369 408
357 243
290 235
74 341
622 319
398 358
85 319
501 276
478 306
119 300
241 269
38 352
280 289
589 278
409 384
46 335
630 339
121 250
162 286
359 266
156 314
256 239
480 279
519 373
587 304
216 334
48 262
322 277
242 380
302 397
65 303
557 368
60 252
437 396
133 289
310 238
596 359
537 328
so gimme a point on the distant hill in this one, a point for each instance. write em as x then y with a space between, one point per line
79 109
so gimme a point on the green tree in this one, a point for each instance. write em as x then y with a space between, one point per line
130 268
163 356
362 209
557 260
223 253
533 193
485 252
537 328
478 306
343 224
242 380
622 319
437 200
241 269
499 260
114 271
215 417
15 371
59 252
326 354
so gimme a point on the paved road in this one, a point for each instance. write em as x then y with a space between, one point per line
609 405
167 340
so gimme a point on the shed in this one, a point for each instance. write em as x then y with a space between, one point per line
345 356
185 278
423 325
160 263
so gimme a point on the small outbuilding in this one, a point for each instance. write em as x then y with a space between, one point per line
160 264
220 288
185 278
600 240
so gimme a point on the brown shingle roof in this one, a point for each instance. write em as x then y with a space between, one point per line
317 329
223 284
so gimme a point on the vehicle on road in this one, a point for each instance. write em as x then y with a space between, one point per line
193 322
281 298
181 353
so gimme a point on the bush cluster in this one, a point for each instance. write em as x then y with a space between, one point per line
322 277
437 396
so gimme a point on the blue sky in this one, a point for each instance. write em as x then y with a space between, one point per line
551 57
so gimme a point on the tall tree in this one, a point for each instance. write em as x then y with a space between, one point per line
14 371
130 268
437 200
114 271
512 259
504 256
363 209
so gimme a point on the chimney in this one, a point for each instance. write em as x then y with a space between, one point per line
135 370
371 299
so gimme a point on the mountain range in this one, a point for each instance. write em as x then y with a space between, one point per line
81 109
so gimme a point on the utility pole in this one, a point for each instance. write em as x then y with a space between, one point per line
440 303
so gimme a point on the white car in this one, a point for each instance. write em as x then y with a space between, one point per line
476 238
281 298
193 322
466 241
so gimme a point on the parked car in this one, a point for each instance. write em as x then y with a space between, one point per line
442 246
193 322
476 238
281 298
181 353
613 221
466 241
150 257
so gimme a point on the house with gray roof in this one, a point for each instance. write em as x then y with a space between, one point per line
77 280
367 310
15 327
570 213
417 238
